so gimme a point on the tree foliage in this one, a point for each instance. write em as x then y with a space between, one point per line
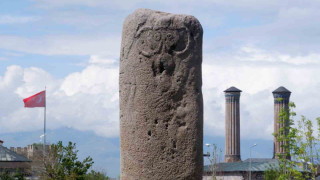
300 146
272 173
6 175
62 163
96 175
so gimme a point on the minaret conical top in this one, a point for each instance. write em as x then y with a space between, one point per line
281 89
232 89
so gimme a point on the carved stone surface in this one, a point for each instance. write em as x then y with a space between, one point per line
161 107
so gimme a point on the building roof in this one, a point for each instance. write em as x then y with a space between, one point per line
260 160
8 155
281 89
232 89
256 165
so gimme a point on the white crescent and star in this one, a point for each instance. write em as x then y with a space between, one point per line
37 100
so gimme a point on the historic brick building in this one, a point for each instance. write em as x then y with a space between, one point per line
233 168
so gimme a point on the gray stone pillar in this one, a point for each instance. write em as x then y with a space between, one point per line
281 101
161 106
232 146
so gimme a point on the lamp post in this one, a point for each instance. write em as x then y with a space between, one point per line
213 159
250 161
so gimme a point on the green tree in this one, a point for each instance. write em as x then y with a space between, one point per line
96 175
308 149
5 175
289 135
272 173
61 163
299 143
18 175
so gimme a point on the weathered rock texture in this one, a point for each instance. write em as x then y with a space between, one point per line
161 108
281 102
232 146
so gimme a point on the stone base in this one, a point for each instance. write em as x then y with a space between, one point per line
232 158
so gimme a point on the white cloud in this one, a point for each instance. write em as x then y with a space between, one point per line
88 100
257 81
58 3
9 19
251 55
280 48
124 4
135 3
85 100
284 28
101 60
292 30
63 45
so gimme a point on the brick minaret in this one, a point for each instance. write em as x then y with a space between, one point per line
232 148
281 101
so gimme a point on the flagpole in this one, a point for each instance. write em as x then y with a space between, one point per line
44 126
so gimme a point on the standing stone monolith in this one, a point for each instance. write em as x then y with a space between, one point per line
161 106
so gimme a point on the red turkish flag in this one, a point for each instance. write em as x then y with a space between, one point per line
37 100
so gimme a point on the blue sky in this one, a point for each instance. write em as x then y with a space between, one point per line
73 47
